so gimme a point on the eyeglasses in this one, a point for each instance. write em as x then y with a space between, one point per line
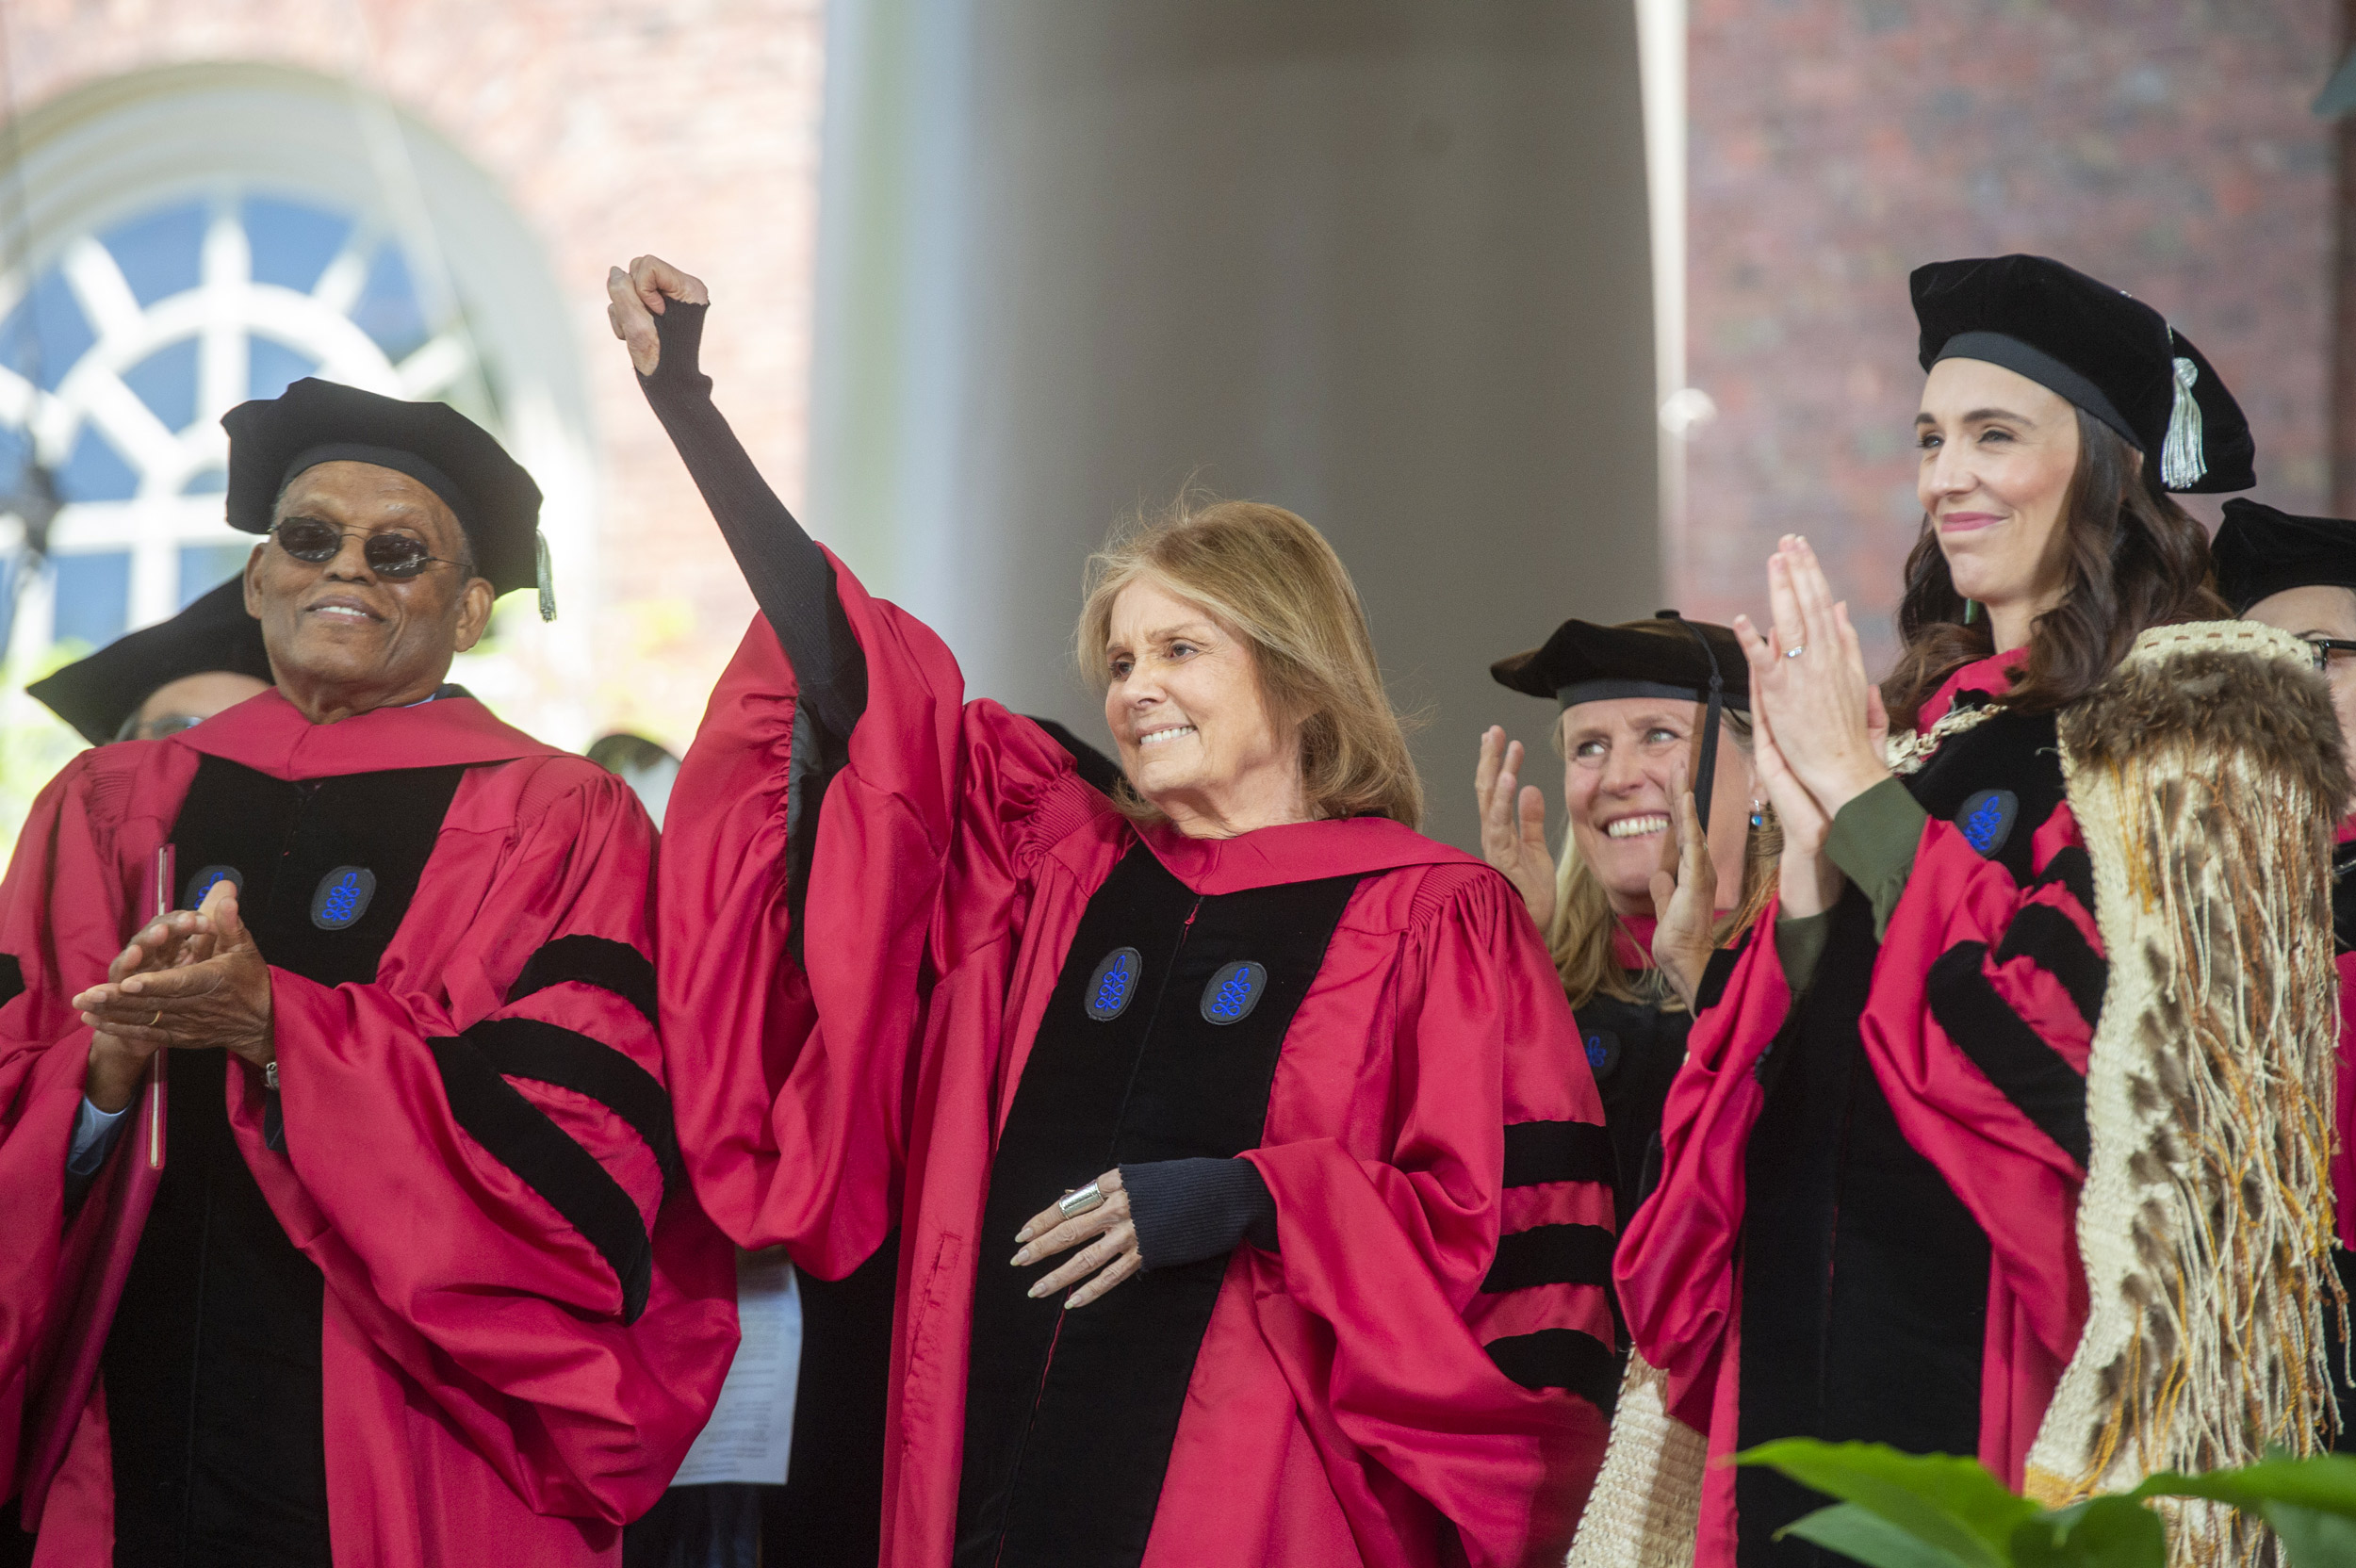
158 728
2326 647
388 554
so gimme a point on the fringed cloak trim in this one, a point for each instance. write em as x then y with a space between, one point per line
2206 776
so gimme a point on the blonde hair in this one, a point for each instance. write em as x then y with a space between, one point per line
1272 579
1581 939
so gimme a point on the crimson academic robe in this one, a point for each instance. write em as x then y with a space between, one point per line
445 1287
1866 1225
1002 988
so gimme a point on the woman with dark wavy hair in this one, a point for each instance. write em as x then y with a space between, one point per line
1946 1165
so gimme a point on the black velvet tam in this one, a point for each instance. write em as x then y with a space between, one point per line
1664 657
314 421
96 695
2104 351
2260 553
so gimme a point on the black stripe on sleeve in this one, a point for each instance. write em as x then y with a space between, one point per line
521 1137
2052 940
2031 1073
551 1053
1551 1255
11 978
1560 1358
2074 868
1537 1152
598 961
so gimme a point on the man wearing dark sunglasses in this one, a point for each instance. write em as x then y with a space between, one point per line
2299 575
345 1221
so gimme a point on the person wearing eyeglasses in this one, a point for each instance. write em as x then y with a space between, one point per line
2008 1145
344 1219
2300 574
163 679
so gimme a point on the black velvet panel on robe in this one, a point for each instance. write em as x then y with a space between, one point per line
1069 1417
1634 1052
212 1366
1864 1277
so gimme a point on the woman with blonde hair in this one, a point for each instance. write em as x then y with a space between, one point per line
2013 1143
1251 1190
1646 709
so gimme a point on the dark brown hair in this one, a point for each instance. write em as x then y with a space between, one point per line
2132 559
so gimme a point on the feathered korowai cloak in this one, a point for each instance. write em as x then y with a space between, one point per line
2207 776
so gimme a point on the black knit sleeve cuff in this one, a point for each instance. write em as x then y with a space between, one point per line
678 373
1188 1210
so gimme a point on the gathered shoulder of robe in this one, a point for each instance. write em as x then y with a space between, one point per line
1002 989
1865 1228
444 1295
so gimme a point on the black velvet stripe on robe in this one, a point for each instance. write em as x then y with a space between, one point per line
1160 1044
212 1368
1865 1278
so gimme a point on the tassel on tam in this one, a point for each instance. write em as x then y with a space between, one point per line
2183 463
548 580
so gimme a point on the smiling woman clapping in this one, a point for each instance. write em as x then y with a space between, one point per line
1252 1197
1997 1018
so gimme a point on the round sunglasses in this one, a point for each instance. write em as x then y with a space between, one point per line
392 555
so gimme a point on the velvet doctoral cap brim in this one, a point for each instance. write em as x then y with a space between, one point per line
2261 552
1587 661
496 501
97 694
2104 351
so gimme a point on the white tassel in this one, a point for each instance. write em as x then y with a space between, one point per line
2182 461
547 583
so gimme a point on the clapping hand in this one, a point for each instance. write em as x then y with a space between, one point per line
188 981
1514 824
1818 722
1684 899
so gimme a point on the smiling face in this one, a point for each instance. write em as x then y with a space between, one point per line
343 638
1998 453
2314 612
1621 758
1184 705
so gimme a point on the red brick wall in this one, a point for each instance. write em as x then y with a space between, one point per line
2162 145
685 128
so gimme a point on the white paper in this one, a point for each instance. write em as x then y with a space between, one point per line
750 1436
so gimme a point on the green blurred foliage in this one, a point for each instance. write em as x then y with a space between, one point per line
1939 1510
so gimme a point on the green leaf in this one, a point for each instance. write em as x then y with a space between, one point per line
1945 1501
2100 1532
2326 1484
1859 1532
2314 1539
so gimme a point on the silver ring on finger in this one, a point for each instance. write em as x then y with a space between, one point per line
1795 652
1075 1205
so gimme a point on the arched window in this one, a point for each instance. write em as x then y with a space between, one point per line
118 363
196 235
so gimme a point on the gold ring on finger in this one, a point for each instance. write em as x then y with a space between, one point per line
156 1019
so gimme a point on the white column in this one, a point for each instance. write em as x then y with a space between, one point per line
1386 264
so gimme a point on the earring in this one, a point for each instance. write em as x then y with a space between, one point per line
1758 813
1971 611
